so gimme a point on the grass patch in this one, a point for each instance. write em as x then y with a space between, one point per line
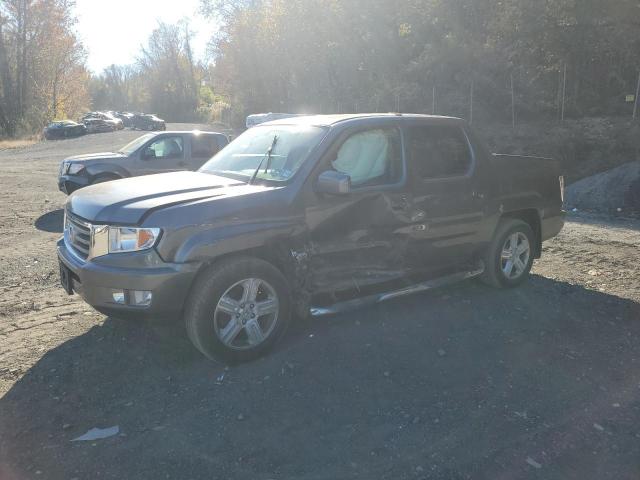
17 143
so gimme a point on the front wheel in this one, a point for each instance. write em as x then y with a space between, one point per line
237 309
509 258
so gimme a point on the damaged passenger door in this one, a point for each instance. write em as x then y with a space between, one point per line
449 195
358 234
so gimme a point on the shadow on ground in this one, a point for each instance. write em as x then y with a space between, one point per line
51 221
465 382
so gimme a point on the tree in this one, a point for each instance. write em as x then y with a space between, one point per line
346 55
43 74
172 78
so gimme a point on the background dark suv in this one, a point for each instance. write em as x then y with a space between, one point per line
150 153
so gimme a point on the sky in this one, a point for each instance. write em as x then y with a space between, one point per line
113 31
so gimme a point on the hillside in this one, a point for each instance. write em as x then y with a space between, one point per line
585 147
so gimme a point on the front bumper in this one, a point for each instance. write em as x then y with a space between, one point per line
96 280
70 183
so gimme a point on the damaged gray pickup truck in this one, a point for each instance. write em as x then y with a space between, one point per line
308 214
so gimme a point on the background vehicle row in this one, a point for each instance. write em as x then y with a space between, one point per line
98 122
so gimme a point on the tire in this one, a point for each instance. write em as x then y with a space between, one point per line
502 257
104 178
209 318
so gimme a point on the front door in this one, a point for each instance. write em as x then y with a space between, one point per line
447 197
359 239
165 153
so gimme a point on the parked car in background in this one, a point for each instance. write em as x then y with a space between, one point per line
88 115
126 117
258 118
312 214
64 129
150 153
145 121
98 125
106 117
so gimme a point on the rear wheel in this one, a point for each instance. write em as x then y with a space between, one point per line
238 309
509 258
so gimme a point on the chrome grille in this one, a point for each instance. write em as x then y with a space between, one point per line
77 235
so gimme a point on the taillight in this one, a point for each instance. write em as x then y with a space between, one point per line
561 181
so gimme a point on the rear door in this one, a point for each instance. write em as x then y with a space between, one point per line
203 147
165 153
447 196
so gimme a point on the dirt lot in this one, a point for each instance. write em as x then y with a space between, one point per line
464 382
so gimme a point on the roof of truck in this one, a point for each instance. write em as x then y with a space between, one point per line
328 120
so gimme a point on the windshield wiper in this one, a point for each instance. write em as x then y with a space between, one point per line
268 157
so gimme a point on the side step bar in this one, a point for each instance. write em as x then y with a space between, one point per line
348 305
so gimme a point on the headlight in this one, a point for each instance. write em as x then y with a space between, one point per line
74 168
129 239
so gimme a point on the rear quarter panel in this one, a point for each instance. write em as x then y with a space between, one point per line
529 183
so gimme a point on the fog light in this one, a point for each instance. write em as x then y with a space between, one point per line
118 296
141 298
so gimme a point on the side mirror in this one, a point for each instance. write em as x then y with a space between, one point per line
148 153
334 183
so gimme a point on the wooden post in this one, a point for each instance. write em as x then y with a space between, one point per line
513 104
564 90
433 107
471 104
635 104
558 94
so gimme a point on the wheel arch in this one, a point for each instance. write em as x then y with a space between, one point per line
288 257
279 256
107 170
530 216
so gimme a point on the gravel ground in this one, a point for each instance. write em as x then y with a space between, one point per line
465 382
616 191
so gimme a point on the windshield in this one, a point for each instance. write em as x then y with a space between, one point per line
129 148
241 158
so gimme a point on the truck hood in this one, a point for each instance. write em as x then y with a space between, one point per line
88 158
128 200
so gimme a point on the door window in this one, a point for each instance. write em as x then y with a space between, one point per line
204 146
167 147
371 157
438 152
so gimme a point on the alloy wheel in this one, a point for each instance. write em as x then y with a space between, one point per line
516 252
246 314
